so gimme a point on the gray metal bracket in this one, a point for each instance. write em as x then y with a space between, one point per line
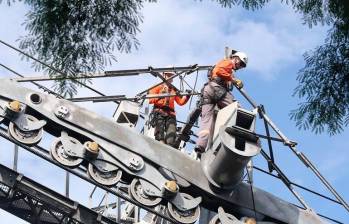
114 157
25 124
113 154
184 204
224 219
150 189
178 201
72 148
77 149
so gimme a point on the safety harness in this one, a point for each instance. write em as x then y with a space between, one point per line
219 93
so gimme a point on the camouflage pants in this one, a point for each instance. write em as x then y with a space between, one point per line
165 127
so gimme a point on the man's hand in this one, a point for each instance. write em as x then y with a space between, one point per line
238 83
138 98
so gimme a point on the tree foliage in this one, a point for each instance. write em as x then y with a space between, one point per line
247 4
80 36
324 80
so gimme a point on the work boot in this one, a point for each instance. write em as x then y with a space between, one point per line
198 156
198 150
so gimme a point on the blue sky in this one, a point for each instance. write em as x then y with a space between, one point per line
188 32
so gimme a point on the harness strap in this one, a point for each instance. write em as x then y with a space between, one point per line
218 95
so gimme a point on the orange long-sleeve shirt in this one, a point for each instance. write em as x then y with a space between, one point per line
224 69
166 101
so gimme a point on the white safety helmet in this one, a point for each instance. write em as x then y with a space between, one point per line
169 74
242 56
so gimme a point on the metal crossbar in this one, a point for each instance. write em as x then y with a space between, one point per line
291 145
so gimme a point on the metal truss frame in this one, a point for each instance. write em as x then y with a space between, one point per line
79 172
36 203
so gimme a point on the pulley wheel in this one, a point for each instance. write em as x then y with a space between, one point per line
26 137
58 153
105 178
216 220
186 217
136 191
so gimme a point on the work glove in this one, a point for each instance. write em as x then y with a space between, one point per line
238 83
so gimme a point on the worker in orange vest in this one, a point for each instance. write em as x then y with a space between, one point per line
163 114
217 92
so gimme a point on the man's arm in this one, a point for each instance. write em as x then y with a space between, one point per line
181 100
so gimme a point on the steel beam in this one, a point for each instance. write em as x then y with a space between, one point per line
128 72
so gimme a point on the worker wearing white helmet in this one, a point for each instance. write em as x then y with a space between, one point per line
217 92
163 114
223 71
242 56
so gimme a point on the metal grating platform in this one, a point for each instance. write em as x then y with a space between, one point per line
35 203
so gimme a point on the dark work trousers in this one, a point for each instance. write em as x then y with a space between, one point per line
210 92
165 127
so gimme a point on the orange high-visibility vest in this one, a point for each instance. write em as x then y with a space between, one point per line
166 103
224 70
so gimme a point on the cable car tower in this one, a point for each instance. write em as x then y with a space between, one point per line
143 180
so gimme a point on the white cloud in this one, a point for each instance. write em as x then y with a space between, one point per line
186 33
